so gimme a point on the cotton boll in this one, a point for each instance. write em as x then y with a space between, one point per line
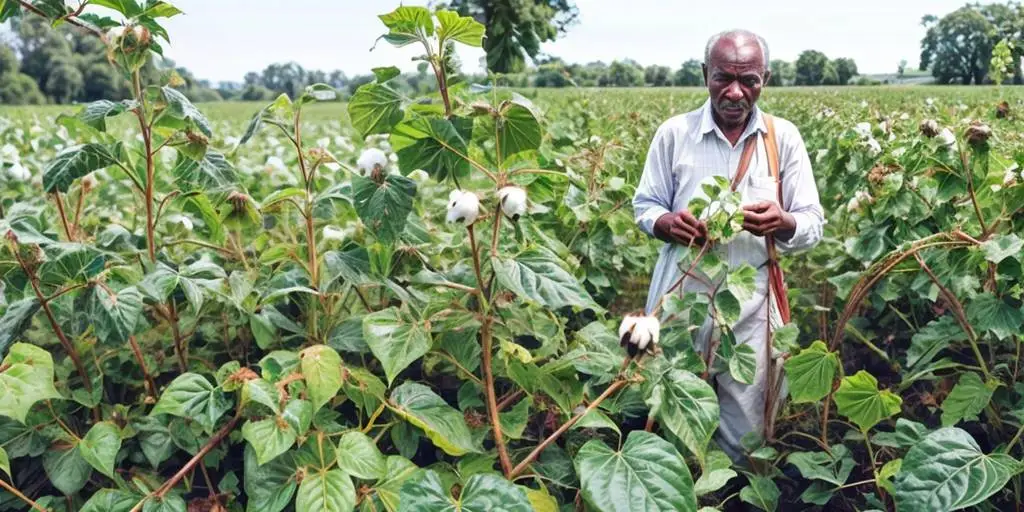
275 164
419 176
333 233
18 172
947 138
638 332
370 159
513 202
463 207
863 129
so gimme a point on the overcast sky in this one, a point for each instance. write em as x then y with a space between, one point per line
224 39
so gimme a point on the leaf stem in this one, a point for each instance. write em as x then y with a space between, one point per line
11 489
150 383
63 216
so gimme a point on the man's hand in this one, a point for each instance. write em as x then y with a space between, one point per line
766 217
681 228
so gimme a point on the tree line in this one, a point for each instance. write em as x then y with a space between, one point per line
958 47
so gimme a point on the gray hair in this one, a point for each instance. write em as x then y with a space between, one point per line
736 32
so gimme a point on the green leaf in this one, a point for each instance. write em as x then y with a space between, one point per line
932 338
74 162
743 364
348 267
593 419
859 399
270 437
907 434
438 146
968 398
321 368
358 456
385 73
687 406
179 107
130 8
67 470
375 108
647 474
717 473
948 471
114 316
160 10
100 446
95 114
5 463
399 471
727 305
886 474
326 491
169 503
407 25
155 438
993 314
537 277
269 487
394 340
1000 247
518 127
28 378
111 500
262 392
70 263
212 172
190 395
513 421
463 29
482 493
811 373
16 320
741 282
299 414
384 207
834 468
8 9
761 493
444 425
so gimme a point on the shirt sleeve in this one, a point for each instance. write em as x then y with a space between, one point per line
800 195
654 193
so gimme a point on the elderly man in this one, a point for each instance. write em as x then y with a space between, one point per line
710 141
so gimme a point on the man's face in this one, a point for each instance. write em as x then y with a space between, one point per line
735 75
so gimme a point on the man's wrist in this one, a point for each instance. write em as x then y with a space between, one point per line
788 229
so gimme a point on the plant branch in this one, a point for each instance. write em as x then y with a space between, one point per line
63 216
11 489
69 18
150 383
200 243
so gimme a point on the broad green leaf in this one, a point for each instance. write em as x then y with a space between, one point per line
70 263
407 24
27 379
463 29
727 305
130 8
269 487
5 463
111 500
95 114
99 447
74 162
932 338
347 267
907 434
299 414
761 493
8 9
482 493
395 340
326 491
596 419
513 420
321 368
212 172
538 278
1000 247
886 474
688 407
990 313
179 107
262 392
269 437
518 127
811 373
444 425
968 398
743 364
155 438
785 338
358 456
717 472
160 9
67 470
399 470
190 395
16 320
742 282
114 315
384 207
647 474
541 501
948 471
859 399
385 73
169 503
438 146
375 108
834 468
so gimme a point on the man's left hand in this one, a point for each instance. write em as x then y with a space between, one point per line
766 217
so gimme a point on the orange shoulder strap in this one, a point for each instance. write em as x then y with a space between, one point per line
772 150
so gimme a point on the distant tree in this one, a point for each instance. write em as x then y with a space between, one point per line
516 28
338 80
658 76
20 89
623 74
845 69
958 46
810 68
64 82
689 75
257 93
783 73
551 73
829 75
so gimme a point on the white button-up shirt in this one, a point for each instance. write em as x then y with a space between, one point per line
690 147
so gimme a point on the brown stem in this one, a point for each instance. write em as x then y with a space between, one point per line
147 138
442 82
63 216
171 315
492 404
615 386
78 210
824 417
63 291
209 446
649 426
68 347
970 190
11 489
494 233
476 258
69 18
150 383
509 398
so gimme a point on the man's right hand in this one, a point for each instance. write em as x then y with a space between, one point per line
680 228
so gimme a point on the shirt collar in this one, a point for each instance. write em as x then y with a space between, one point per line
708 125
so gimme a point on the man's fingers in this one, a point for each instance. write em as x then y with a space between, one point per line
688 218
684 235
758 218
758 207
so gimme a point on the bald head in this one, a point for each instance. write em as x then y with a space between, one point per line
735 69
733 39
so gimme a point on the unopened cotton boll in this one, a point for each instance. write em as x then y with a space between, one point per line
370 159
90 182
513 201
333 233
638 332
463 207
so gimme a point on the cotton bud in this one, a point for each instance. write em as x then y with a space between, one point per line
142 35
513 202
978 133
929 128
947 137
370 160
89 182
463 207
239 201
637 332
333 233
